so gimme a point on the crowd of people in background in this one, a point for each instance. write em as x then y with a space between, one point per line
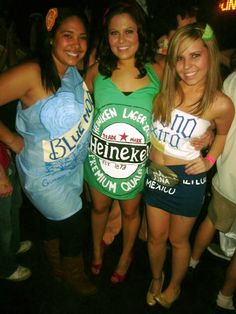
126 122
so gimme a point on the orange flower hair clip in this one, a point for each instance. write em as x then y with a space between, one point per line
51 18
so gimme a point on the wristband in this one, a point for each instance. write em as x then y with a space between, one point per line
211 159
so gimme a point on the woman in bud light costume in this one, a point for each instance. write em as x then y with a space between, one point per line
189 101
124 85
54 116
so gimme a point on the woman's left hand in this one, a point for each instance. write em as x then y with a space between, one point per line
197 166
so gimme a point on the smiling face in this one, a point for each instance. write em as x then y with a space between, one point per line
123 36
192 62
70 43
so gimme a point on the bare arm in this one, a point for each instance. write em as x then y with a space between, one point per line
158 68
90 76
14 141
223 114
223 118
18 83
8 92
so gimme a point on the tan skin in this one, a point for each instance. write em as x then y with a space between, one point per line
229 285
122 33
192 67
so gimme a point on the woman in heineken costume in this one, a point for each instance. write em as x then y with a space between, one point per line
124 84
189 101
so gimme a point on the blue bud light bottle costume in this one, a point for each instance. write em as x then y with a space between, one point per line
56 131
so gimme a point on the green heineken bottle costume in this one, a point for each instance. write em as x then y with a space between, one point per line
119 145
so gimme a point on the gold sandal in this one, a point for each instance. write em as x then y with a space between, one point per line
150 298
163 302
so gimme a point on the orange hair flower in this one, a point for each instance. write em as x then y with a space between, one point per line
51 18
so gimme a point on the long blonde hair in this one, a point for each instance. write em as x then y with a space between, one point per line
170 88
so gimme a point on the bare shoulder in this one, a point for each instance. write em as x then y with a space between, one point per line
222 113
32 70
90 75
28 68
223 104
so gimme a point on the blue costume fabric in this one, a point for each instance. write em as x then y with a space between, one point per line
120 140
171 189
56 132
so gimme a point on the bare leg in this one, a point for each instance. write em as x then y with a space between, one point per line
130 227
203 238
225 296
99 216
229 286
114 224
180 228
143 227
158 229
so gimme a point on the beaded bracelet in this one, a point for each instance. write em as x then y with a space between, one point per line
211 159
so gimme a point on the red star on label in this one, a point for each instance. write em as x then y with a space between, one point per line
123 137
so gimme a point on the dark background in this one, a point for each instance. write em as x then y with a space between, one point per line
224 23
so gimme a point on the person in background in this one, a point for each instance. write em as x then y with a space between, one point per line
224 300
221 211
181 15
10 203
124 83
228 239
12 49
222 208
189 102
54 116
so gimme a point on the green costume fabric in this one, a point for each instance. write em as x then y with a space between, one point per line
120 141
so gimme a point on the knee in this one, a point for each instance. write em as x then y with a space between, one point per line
131 214
179 243
99 210
159 239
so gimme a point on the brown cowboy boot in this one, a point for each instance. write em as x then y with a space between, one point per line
74 275
52 252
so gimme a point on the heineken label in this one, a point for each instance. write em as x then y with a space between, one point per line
119 147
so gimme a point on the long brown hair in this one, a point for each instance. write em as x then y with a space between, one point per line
170 88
